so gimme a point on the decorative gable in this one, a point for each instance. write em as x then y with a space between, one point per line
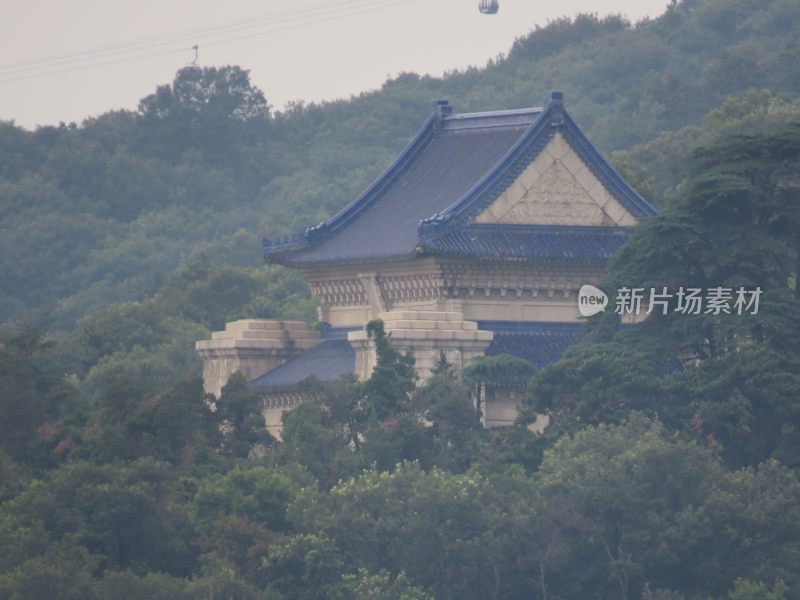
557 188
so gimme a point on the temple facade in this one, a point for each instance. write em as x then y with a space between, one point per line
474 241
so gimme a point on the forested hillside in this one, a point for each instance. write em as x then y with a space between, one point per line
670 469
103 211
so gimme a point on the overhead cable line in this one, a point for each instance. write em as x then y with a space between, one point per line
89 59
251 22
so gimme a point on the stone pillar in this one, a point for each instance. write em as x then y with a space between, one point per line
253 347
425 334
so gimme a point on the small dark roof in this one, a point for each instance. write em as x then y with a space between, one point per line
541 344
453 169
326 361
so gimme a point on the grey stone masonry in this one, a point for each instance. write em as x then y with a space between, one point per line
252 347
425 334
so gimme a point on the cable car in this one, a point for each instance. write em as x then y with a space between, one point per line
488 7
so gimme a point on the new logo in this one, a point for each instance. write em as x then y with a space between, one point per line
591 300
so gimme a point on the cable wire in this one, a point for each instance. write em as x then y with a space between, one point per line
253 21
303 18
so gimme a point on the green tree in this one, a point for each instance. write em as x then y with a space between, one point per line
204 107
749 590
62 572
32 394
387 390
454 429
315 440
489 374
120 516
395 439
735 226
363 586
239 412
303 566
383 521
220 581
257 493
126 585
598 383
655 509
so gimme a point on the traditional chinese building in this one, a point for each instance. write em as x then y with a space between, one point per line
474 241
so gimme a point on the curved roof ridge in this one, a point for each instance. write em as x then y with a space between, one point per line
508 112
552 119
516 117
385 179
363 200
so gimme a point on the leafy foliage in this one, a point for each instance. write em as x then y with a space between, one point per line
669 470
103 212
729 379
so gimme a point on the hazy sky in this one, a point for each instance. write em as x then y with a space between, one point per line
64 60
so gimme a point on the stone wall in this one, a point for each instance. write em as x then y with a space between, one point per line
253 347
274 404
424 334
502 409
482 291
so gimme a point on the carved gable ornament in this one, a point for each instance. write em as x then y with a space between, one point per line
557 188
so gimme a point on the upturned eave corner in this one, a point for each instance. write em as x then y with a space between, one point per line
281 249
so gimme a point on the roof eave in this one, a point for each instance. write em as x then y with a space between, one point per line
314 235
287 260
515 259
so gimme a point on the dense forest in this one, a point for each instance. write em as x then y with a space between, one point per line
669 471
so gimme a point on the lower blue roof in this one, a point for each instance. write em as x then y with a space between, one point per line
541 344
326 361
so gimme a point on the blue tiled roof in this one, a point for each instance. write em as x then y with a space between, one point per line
326 361
438 167
454 168
541 344
529 242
